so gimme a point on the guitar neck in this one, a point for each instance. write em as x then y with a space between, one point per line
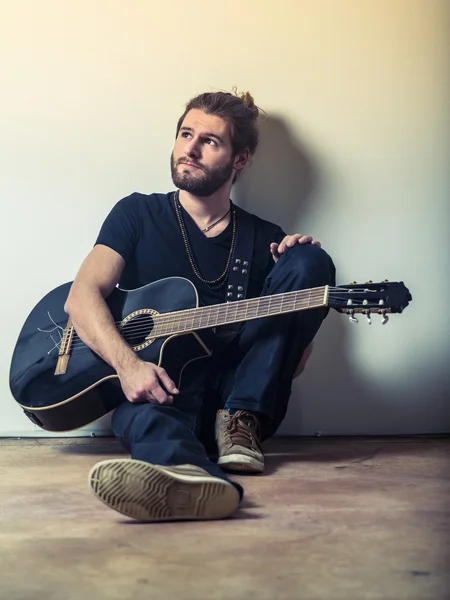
206 317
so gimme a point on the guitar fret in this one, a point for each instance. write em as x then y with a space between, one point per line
182 322
245 307
254 310
236 310
215 312
260 310
227 307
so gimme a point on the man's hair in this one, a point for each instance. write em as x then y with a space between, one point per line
239 110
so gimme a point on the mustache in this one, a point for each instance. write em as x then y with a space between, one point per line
189 162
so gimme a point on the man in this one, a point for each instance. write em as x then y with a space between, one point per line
242 394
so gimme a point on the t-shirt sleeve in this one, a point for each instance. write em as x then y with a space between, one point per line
120 230
272 233
276 236
279 235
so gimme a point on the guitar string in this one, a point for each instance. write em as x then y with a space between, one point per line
183 327
174 319
133 331
261 300
178 317
144 339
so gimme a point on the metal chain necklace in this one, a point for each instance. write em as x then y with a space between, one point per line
216 222
215 284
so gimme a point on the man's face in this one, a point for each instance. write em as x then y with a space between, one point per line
202 160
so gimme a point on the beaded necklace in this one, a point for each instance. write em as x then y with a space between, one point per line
215 284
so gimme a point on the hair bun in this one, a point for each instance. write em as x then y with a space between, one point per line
247 99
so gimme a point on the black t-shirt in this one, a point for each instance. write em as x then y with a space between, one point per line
144 230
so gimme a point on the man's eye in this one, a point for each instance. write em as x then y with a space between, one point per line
210 142
185 134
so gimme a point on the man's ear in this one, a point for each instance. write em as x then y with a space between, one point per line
241 160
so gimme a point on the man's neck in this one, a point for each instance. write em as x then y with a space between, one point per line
206 210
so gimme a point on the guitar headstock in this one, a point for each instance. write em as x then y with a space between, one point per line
370 298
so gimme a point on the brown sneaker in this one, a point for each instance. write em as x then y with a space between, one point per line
149 492
238 442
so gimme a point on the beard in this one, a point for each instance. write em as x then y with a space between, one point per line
204 182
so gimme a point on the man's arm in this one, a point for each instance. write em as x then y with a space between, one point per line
94 323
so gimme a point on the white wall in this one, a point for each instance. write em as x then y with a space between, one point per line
355 151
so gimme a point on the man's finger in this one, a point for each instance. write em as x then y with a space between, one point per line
305 239
155 393
161 396
292 241
151 398
167 382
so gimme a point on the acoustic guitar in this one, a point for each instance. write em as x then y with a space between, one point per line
61 384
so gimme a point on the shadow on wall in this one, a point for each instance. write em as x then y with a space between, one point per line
331 397
282 179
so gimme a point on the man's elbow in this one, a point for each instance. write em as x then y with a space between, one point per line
78 293
71 300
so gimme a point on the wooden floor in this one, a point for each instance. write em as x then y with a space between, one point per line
332 518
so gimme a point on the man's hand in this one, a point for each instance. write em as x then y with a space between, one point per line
144 381
289 241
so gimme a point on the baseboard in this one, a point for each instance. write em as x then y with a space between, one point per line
39 433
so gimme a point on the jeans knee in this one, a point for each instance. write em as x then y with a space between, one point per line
138 421
311 259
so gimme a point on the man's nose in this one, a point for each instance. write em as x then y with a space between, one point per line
193 148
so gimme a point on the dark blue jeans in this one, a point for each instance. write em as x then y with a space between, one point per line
253 372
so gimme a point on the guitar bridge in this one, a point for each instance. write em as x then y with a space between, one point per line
65 349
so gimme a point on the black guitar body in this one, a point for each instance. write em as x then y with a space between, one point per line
90 388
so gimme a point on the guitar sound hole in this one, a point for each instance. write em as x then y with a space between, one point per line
137 329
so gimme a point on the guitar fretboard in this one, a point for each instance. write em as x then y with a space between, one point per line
233 312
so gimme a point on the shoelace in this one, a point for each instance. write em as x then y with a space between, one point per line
243 428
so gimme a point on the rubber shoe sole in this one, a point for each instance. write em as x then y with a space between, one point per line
149 492
240 463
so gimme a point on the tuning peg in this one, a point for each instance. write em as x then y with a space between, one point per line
352 317
370 281
353 283
385 318
369 320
